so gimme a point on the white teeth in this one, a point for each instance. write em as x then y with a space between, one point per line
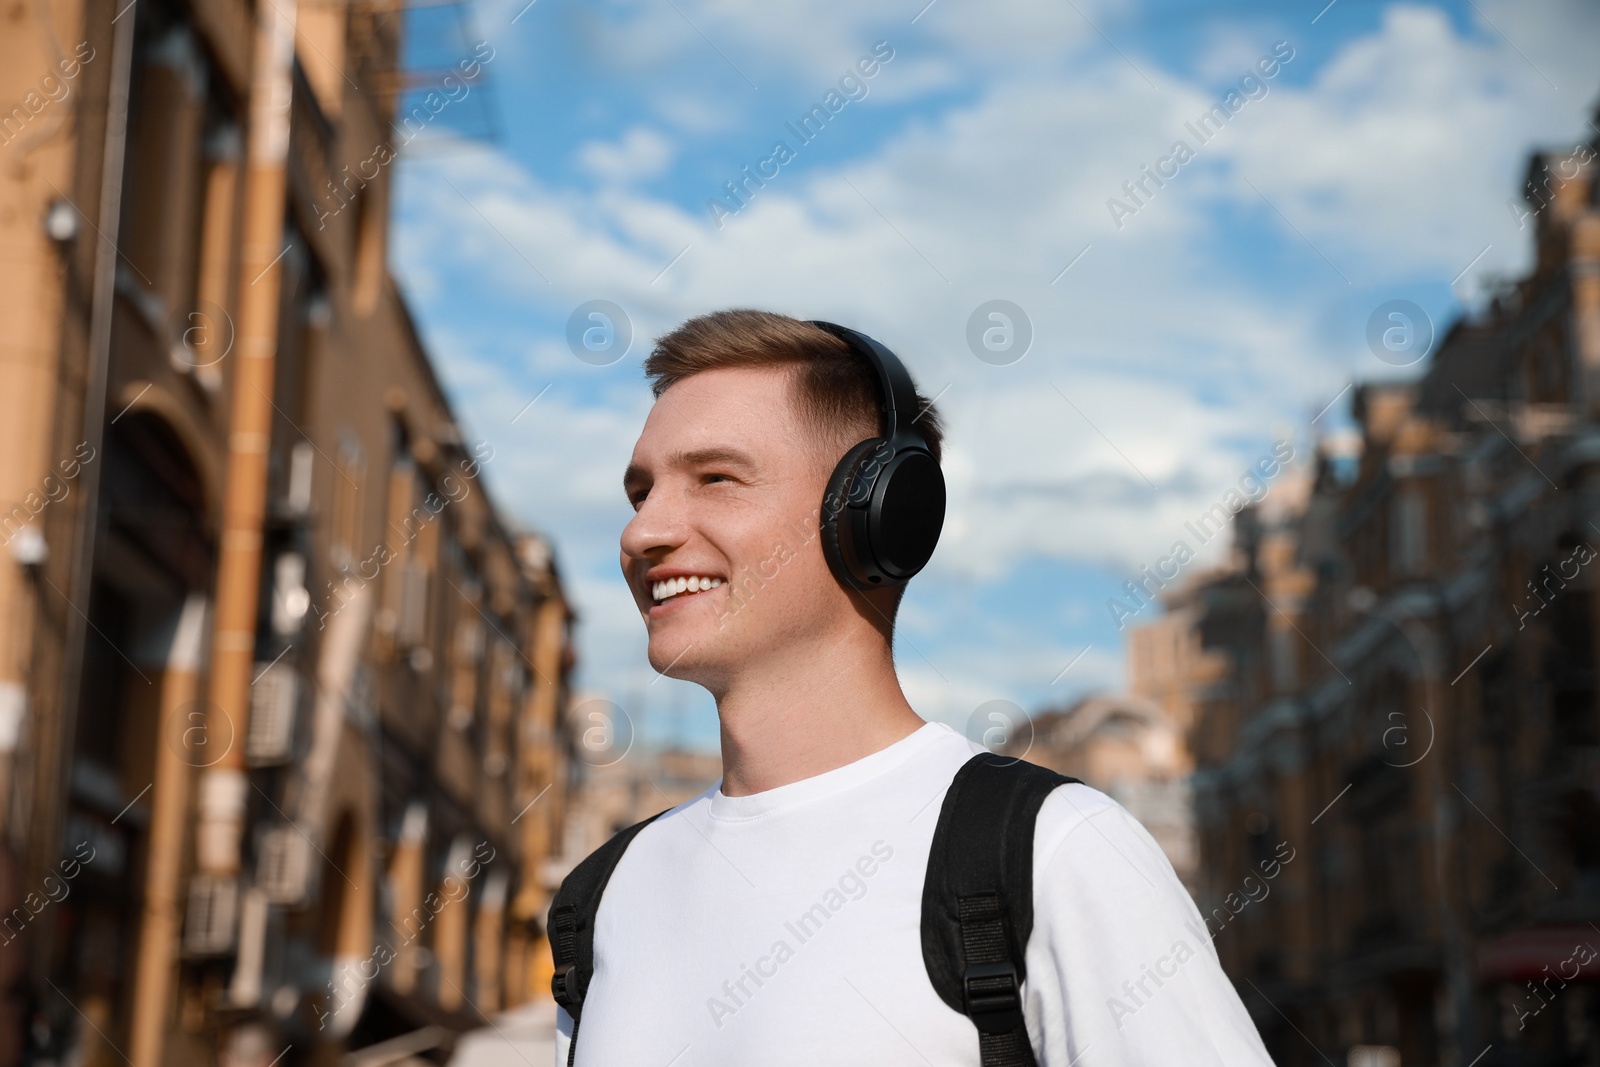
671 587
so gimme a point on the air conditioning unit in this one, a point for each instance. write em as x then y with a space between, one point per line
273 699
213 916
412 628
361 701
469 640
283 866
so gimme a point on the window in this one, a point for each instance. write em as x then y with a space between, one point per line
1408 534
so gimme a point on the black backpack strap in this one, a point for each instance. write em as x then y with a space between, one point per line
571 923
977 899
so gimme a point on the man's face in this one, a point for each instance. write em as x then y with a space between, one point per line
727 488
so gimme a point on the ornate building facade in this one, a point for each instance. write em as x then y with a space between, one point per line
1407 702
1129 748
283 743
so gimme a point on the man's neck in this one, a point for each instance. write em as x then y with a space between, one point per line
789 721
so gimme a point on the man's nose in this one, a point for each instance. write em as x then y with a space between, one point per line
658 526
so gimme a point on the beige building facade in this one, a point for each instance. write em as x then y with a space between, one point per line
283 743
1130 748
1405 727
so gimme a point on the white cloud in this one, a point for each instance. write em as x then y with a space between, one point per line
1401 155
639 153
694 114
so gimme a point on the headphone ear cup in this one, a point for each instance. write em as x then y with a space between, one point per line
838 525
906 517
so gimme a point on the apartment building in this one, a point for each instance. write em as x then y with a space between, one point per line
1407 707
283 739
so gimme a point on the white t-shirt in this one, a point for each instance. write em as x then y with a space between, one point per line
784 928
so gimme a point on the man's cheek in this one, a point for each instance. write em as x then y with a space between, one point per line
640 596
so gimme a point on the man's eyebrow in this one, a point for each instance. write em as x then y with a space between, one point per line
702 457
694 457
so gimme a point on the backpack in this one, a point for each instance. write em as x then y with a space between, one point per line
977 904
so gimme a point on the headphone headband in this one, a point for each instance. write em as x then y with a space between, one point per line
894 382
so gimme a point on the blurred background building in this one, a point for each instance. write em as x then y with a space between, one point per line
620 785
1133 750
1392 702
283 744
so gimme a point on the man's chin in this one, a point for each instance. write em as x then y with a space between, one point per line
679 656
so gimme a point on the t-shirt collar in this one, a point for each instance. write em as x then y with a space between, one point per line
828 783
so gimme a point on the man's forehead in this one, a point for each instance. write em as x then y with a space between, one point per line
726 414
724 407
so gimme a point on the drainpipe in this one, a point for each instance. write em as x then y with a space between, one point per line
223 787
536 740
405 886
154 966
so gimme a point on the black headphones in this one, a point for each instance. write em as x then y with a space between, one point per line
884 505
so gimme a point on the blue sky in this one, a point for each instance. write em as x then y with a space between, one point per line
1218 318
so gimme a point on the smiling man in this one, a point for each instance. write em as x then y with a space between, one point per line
792 914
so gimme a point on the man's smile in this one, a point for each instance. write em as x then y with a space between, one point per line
680 586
